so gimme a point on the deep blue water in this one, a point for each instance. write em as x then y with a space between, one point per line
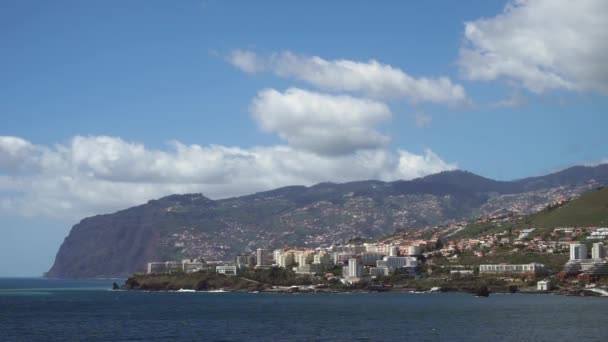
61 310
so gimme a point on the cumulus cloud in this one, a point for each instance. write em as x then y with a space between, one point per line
372 78
540 45
98 174
321 123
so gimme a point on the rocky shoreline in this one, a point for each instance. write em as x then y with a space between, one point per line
210 282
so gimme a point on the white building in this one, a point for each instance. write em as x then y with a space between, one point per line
414 250
353 270
378 271
370 258
599 234
193 265
186 265
309 269
303 257
598 251
543 285
244 261
578 251
509 268
340 258
262 257
275 255
286 259
322 258
394 262
229 270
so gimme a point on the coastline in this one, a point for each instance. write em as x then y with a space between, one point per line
213 283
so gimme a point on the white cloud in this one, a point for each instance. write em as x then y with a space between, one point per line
596 162
321 123
371 78
98 174
541 45
17 154
247 61
413 165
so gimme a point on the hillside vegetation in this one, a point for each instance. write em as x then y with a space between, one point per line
588 210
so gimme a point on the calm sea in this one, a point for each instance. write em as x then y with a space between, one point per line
62 310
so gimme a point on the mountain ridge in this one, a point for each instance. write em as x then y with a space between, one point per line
192 225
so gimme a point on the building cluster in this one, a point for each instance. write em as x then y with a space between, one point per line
186 265
355 263
522 240
586 267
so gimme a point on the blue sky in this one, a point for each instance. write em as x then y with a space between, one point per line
104 105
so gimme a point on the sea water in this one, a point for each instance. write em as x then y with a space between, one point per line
63 310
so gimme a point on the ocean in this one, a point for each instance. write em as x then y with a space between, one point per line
64 310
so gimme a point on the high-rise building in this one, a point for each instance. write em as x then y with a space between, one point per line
370 258
354 268
322 258
262 257
303 258
598 251
242 261
276 254
286 259
578 251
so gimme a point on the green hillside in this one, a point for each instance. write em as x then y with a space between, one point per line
590 209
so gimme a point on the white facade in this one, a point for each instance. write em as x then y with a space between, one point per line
354 268
378 271
341 258
242 261
262 257
276 254
598 251
543 285
370 258
286 259
229 270
508 268
414 250
186 265
578 251
322 258
393 262
303 258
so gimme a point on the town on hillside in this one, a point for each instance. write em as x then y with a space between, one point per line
566 258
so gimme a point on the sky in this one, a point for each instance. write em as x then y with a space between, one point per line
105 105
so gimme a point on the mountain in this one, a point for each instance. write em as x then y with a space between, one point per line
192 225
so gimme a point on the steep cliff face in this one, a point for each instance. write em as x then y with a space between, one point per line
192 225
117 244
